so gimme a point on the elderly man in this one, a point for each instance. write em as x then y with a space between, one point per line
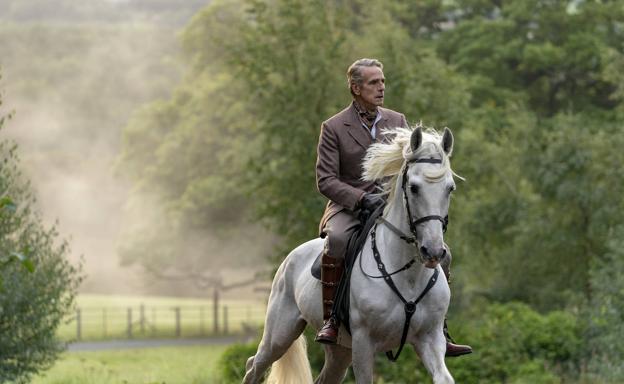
343 142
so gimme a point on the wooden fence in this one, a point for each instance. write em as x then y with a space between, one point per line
92 323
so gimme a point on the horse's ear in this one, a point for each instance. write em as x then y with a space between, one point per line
447 141
416 139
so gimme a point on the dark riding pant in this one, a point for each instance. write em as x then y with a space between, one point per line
339 229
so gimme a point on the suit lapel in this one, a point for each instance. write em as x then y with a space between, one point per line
356 130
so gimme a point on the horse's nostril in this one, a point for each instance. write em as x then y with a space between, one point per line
424 251
443 254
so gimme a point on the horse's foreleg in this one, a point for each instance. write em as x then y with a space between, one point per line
337 360
431 348
363 357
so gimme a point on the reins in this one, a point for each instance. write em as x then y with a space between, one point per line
409 306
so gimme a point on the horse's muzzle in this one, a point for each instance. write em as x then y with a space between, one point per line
432 257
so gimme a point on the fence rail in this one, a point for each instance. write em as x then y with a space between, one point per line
142 321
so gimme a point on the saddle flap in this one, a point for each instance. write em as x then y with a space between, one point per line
316 267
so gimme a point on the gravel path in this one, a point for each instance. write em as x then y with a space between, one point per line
151 343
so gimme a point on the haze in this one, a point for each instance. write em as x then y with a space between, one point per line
74 72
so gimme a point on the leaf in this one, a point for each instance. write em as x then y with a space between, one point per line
24 260
7 203
29 265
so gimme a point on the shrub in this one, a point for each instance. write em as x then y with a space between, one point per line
513 343
35 299
231 367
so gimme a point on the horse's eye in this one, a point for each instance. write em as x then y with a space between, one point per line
414 189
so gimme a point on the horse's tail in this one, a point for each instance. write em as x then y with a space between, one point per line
293 367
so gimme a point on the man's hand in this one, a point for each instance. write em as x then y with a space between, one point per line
370 202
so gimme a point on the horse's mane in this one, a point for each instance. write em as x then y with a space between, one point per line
386 160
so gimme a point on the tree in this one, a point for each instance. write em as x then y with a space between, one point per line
37 293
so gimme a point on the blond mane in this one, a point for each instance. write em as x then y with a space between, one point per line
385 161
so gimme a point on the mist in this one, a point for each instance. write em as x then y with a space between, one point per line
74 76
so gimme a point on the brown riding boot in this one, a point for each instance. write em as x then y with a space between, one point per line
331 272
452 349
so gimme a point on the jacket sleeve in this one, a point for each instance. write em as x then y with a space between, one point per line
328 172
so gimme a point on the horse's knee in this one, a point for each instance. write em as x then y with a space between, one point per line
249 363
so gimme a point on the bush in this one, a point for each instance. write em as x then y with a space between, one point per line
231 366
35 299
515 344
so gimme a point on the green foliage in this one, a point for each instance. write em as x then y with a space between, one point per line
38 283
606 312
513 342
231 365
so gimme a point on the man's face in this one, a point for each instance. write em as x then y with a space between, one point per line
371 92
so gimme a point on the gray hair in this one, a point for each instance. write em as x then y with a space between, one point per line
354 73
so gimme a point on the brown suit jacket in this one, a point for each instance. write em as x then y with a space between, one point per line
342 145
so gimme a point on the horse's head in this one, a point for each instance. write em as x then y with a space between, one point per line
418 178
426 184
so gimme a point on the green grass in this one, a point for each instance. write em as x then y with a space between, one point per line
168 365
106 317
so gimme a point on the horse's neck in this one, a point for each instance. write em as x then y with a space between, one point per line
396 252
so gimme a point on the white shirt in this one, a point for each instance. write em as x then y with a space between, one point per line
373 130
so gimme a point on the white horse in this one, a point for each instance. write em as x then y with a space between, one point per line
419 180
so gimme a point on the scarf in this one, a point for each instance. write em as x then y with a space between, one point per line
367 117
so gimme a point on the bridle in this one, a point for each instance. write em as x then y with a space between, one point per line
409 306
414 223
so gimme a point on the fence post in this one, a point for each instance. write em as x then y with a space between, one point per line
104 320
215 308
225 320
142 318
201 321
153 321
177 319
78 324
129 331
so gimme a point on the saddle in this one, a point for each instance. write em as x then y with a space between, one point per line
354 248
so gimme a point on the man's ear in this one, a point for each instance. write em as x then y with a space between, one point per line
356 89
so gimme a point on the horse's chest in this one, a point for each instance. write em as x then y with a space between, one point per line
384 315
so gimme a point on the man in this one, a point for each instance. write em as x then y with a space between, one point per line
343 142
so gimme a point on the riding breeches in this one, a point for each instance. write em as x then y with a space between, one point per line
339 229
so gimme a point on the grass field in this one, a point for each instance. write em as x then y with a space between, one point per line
108 317
164 365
